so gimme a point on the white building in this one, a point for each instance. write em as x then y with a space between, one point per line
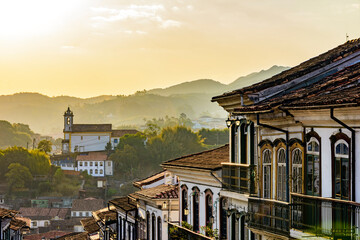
95 164
83 208
89 137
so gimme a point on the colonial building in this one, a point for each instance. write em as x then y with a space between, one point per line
89 137
293 150
200 185
11 227
95 164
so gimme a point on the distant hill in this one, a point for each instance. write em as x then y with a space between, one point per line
45 114
210 86
16 134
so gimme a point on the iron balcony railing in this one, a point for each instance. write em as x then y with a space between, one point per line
327 217
239 177
269 215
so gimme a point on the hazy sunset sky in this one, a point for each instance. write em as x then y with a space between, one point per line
93 47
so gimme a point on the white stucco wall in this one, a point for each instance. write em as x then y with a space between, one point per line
89 142
93 168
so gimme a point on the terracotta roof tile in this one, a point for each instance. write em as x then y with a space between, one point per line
17 224
153 178
92 156
44 213
210 159
159 192
74 236
87 204
91 128
4 213
125 203
45 236
90 225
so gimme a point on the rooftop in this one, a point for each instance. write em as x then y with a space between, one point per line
125 203
153 178
44 213
92 156
159 192
45 236
87 204
209 160
5 213
91 128
90 225
122 132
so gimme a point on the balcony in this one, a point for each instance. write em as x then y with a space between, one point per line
269 215
327 217
238 178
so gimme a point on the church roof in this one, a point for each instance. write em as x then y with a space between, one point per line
122 132
91 128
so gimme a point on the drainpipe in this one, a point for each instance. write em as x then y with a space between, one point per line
353 147
287 151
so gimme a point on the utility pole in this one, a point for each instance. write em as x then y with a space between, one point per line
27 145
33 143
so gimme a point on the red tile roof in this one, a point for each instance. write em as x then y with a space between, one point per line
71 172
5 213
209 160
90 225
159 192
45 236
92 156
153 178
87 204
91 128
17 224
44 213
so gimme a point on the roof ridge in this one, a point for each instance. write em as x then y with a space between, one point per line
195 154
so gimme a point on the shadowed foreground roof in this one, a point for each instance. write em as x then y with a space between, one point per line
339 89
149 180
209 160
7 213
91 127
45 236
90 225
159 192
75 236
105 215
125 203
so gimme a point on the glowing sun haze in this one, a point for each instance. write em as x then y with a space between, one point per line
93 47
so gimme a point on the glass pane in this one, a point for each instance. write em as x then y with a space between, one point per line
316 175
316 146
310 179
338 149
281 156
337 177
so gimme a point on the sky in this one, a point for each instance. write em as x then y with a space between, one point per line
87 48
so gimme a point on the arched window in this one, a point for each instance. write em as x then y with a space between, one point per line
341 170
266 157
234 227
243 143
312 165
208 207
223 218
159 228
184 203
153 227
195 202
281 174
297 170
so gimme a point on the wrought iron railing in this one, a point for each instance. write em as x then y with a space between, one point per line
334 218
269 215
239 177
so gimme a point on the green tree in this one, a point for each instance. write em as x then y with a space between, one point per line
214 136
45 146
18 176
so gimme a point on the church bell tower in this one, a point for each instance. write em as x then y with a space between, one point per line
68 120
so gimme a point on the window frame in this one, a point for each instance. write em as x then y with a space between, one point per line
312 136
267 165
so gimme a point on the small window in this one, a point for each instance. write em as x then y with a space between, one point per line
81 137
115 140
109 164
91 171
34 224
96 171
85 164
101 171
96 164
101 164
80 164
91 163
99 137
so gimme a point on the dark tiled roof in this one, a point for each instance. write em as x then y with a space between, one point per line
92 156
302 69
149 180
17 224
210 159
87 204
125 203
4 213
159 192
90 225
122 132
44 213
105 215
339 89
91 128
